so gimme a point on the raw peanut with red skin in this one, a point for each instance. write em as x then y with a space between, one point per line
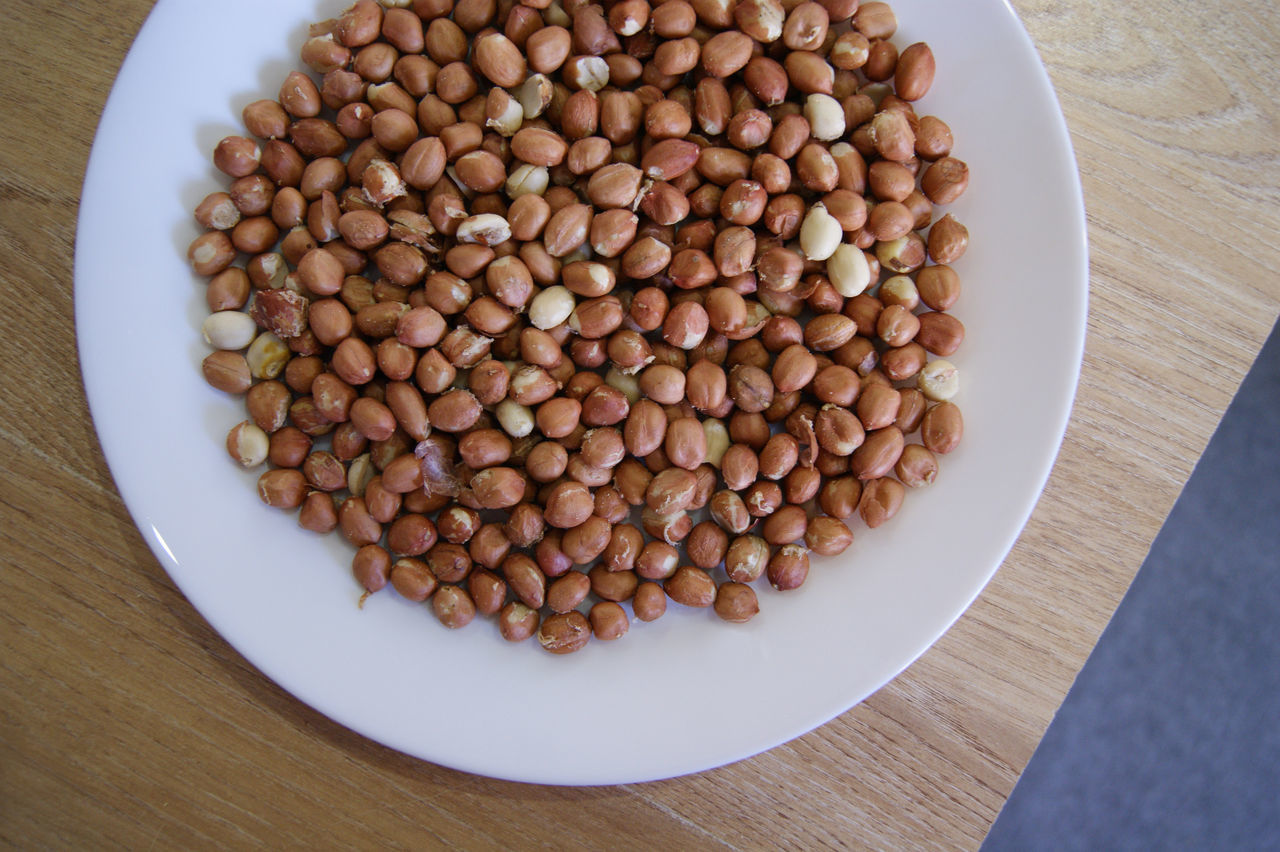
453 606
878 453
612 585
915 71
788 568
736 602
372 567
649 602
691 587
942 427
517 622
881 500
412 579
608 620
940 333
945 180
500 60
564 633
827 536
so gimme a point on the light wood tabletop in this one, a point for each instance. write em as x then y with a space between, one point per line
125 720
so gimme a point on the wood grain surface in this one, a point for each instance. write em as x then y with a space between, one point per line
125 721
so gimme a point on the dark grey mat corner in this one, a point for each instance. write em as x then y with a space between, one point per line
1170 737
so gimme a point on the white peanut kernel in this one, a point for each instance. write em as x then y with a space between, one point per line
551 307
233 330
939 380
820 233
825 117
848 271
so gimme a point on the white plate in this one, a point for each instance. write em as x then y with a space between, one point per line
682 694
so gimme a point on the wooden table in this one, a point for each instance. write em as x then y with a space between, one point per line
125 719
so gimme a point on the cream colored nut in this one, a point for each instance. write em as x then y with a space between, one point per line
718 440
359 472
900 290
229 330
825 117
625 382
267 355
248 444
586 72
527 179
551 307
939 380
487 229
535 95
516 419
820 233
508 113
848 271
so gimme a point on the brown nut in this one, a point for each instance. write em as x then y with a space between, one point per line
751 388
786 525
746 558
933 138
788 568
827 536
615 185
568 504
948 240
706 545
612 585
945 180
517 622
608 620
736 602
526 579
669 159
881 500
914 72
917 466
690 586
940 333
671 490
794 368
500 60
939 286
564 633
726 53
942 427
878 453
686 443
567 591
649 601
739 466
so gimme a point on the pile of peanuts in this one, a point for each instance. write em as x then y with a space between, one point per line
554 305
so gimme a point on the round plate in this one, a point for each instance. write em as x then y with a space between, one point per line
682 694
